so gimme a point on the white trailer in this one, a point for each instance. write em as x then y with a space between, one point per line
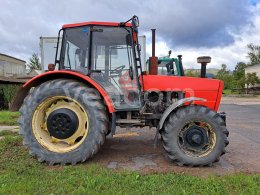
48 50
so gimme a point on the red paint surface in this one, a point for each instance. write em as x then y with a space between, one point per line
115 24
68 74
221 86
209 89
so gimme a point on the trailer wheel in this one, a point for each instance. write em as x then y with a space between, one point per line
63 122
194 136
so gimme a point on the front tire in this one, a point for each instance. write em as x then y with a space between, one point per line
63 122
194 136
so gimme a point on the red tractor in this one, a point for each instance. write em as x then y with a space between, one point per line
97 83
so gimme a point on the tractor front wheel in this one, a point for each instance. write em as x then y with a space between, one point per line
194 136
63 122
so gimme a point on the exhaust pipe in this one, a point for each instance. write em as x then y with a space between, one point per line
181 66
153 66
203 60
153 42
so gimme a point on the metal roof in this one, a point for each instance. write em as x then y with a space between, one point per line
1 54
115 24
252 66
12 80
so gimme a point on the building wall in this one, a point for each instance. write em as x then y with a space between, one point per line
10 66
2 63
255 68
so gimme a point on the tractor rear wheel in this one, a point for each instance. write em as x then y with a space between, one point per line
194 136
63 122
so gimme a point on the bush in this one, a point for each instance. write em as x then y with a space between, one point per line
226 76
7 93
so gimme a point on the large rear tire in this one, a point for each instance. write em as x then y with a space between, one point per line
63 122
194 136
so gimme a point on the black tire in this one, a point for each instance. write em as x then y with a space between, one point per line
174 125
89 99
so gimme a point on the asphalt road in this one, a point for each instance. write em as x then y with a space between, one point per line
243 120
133 150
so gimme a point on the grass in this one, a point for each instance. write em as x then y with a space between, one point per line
230 92
8 118
227 91
20 173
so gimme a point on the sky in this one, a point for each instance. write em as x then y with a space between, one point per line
221 29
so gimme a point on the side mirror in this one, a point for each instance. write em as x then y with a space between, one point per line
136 21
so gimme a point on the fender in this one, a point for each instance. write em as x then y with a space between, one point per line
176 105
51 75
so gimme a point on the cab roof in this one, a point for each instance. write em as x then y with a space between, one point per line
115 24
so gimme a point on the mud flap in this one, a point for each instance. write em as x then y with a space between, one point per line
17 101
176 105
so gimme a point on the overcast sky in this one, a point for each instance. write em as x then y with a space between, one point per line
219 28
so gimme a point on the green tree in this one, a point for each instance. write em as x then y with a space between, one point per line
251 79
191 73
224 75
239 75
253 54
34 63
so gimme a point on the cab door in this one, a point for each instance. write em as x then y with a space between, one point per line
112 65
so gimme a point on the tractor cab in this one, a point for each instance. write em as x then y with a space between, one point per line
106 52
169 66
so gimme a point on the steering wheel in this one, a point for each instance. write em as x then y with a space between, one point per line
118 70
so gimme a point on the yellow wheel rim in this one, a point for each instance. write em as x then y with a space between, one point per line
200 151
40 130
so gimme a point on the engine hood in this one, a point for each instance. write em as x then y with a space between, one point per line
209 89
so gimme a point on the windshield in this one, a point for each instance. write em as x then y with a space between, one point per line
76 49
167 67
